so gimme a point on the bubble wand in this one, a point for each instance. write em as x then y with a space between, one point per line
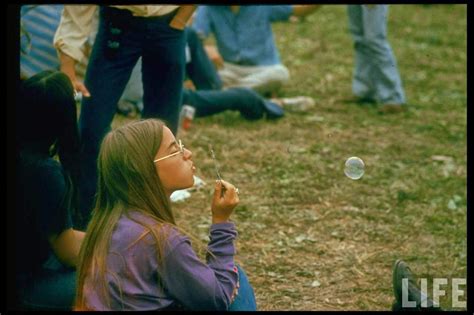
216 167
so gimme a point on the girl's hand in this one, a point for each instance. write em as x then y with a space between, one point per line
224 201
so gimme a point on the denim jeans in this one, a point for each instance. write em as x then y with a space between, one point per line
200 69
245 300
52 288
248 102
55 290
376 75
121 39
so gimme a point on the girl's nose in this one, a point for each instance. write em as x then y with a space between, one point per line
187 154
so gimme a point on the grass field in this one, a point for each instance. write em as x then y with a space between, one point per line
309 237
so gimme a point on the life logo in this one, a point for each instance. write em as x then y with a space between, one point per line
456 292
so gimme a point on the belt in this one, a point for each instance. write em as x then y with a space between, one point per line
127 14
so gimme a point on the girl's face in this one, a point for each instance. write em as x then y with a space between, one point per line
173 164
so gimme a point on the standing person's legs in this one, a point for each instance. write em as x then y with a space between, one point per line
107 74
200 69
163 63
362 84
387 82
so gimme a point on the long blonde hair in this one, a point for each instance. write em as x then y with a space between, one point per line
127 179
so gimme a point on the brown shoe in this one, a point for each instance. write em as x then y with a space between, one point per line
392 108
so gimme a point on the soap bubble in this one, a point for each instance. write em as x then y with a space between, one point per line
354 168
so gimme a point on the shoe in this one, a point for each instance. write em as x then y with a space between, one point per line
300 103
359 100
391 108
402 271
273 110
127 109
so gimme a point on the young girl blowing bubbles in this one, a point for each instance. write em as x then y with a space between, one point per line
134 257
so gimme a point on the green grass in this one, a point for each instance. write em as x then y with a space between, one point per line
300 220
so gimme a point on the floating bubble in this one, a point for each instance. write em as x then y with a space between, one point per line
354 168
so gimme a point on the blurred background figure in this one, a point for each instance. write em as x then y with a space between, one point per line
38 23
47 170
38 26
203 89
247 52
376 77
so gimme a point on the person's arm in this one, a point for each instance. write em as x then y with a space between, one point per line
180 20
66 246
68 66
211 286
203 286
70 39
201 22
304 10
214 56
54 215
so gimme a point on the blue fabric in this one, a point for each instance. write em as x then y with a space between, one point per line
112 60
376 75
245 38
40 23
245 300
246 101
53 290
200 69
273 110
40 210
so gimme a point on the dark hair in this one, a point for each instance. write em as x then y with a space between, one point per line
47 125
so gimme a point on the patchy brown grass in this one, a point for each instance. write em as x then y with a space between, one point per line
309 237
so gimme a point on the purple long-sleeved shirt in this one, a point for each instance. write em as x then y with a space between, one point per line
133 270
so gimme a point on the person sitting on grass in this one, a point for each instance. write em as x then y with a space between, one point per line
203 89
134 256
46 243
245 42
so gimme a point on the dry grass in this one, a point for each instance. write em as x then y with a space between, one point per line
312 239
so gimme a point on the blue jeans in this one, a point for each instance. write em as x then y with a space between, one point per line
121 40
245 300
200 69
248 102
52 288
375 75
